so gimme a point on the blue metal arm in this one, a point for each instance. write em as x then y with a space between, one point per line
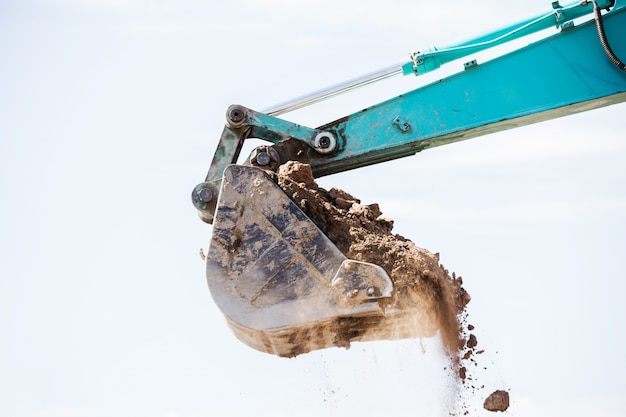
420 63
559 17
566 73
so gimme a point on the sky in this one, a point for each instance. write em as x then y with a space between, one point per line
110 112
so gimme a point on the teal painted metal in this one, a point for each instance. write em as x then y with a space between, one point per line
566 73
422 63
242 124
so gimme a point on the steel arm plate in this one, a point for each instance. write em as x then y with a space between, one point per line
560 75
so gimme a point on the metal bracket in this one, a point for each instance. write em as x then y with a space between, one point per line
361 281
243 123
401 124
470 64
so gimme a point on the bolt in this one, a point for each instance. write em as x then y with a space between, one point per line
236 115
263 158
351 293
324 142
205 195
373 292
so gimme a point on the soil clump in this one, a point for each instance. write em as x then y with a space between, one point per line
362 233
497 401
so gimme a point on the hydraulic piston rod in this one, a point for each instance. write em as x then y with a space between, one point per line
333 90
421 63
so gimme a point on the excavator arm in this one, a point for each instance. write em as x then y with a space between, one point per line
276 277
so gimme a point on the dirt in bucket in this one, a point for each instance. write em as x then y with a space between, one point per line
361 232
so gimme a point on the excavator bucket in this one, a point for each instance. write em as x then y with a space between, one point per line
282 285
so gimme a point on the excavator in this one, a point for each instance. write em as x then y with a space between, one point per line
281 283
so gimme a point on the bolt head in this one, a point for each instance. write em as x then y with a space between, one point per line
236 115
373 292
205 195
324 142
263 158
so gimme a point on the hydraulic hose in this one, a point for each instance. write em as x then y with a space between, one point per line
603 40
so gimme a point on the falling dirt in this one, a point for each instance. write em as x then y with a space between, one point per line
362 233
497 401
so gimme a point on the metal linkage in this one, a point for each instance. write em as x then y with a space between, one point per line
243 123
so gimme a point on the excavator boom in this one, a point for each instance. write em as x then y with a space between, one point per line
282 284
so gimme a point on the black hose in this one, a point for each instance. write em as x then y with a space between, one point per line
603 40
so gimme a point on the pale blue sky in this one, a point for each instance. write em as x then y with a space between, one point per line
110 112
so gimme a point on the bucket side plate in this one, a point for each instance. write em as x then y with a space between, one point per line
281 283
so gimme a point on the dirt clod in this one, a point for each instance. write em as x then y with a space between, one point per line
362 233
462 372
497 401
472 342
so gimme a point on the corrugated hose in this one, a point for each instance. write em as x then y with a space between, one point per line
603 40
